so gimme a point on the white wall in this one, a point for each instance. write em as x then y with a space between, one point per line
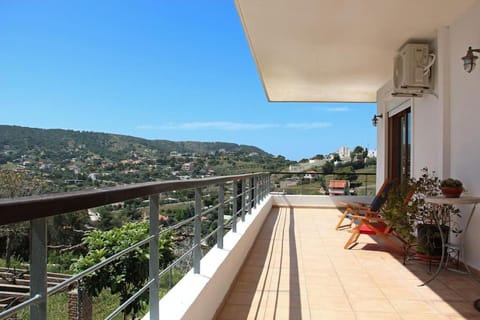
383 100
427 135
446 126
430 115
465 119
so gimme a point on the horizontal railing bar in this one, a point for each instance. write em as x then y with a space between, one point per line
178 225
324 173
99 265
229 221
174 263
18 307
211 234
130 300
34 207
210 209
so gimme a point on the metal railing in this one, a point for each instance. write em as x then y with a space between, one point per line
316 183
252 190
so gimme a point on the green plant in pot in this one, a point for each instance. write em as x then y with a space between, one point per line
427 216
451 188
399 213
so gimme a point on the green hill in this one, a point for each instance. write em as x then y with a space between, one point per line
58 144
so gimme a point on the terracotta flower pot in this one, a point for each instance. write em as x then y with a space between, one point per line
452 192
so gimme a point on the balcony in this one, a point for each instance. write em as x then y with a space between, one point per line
298 269
281 259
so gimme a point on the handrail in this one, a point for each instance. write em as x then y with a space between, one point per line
255 187
363 186
41 206
323 173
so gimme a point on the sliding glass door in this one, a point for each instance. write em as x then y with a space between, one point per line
400 145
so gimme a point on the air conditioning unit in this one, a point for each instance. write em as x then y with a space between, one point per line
411 72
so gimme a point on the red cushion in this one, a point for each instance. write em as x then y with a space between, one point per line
364 229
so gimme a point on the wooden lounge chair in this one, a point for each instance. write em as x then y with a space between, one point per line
360 209
378 226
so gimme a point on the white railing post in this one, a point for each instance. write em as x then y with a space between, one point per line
268 184
197 232
255 191
252 195
244 198
220 222
265 186
153 267
258 183
234 205
38 268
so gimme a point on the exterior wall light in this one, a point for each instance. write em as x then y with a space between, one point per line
469 59
375 119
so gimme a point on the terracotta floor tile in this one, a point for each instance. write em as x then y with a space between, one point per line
282 313
372 305
331 314
413 316
401 292
308 275
446 308
413 306
376 316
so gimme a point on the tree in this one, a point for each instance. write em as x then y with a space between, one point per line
346 173
319 157
13 184
328 167
127 274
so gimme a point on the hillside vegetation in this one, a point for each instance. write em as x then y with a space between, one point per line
65 160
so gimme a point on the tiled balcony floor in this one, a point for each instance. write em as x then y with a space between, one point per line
298 269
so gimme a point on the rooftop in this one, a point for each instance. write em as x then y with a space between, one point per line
298 269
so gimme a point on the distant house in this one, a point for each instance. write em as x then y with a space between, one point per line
310 174
339 187
187 166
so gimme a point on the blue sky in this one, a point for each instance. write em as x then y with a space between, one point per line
175 70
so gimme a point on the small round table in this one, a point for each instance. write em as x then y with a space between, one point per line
440 201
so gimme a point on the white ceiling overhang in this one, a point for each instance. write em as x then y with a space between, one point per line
336 50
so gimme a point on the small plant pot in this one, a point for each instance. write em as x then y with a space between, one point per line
452 192
429 239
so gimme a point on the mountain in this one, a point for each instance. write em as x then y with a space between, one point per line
61 144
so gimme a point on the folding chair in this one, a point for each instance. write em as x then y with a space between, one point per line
361 209
378 226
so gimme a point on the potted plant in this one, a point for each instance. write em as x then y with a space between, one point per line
451 188
428 217
399 214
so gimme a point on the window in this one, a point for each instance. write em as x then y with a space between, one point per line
400 144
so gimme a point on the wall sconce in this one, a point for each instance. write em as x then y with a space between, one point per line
469 59
375 119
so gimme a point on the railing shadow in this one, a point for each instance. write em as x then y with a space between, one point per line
295 297
269 279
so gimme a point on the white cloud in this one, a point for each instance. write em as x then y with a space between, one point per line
233 126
